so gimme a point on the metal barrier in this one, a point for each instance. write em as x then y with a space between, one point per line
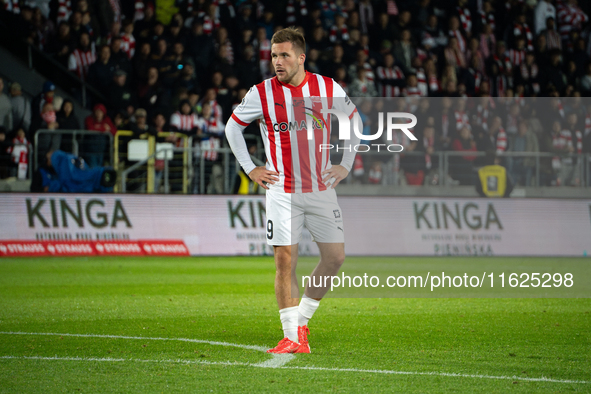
75 143
183 164
581 164
541 169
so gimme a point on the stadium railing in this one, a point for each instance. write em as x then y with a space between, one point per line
143 174
76 138
195 169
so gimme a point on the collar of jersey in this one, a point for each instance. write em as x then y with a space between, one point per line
288 85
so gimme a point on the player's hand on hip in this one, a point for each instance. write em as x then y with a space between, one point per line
261 175
334 175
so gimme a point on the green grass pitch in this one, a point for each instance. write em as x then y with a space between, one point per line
126 317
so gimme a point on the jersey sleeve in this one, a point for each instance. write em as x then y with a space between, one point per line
342 102
250 109
175 120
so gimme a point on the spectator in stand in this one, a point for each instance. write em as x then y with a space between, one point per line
554 77
528 75
543 11
312 61
82 57
361 86
453 55
95 146
47 141
383 31
19 152
140 126
121 96
413 164
144 26
488 41
561 143
318 40
454 31
521 169
185 120
61 45
248 68
570 19
186 79
404 52
212 129
461 168
553 39
433 35
6 120
335 61
390 78
47 95
66 118
151 95
490 137
362 63
586 82
127 39
21 108
341 78
517 55
411 89
176 32
200 47
522 29
339 32
171 66
100 73
142 61
119 57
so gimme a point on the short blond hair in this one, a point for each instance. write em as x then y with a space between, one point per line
290 34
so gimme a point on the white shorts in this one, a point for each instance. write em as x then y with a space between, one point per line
287 214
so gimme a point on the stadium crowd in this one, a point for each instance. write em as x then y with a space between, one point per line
184 65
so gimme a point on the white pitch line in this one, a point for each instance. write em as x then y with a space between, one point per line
277 360
249 347
230 363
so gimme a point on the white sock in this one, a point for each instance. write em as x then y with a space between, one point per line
306 309
289 321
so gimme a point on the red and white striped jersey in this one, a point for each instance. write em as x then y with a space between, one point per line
465 19
412 91
284 112
80 61
64 10
516 56
462 120
501 143
184 123
12 6
386 78
461 40
128 45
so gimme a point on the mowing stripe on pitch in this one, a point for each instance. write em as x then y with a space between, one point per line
277 360
236 363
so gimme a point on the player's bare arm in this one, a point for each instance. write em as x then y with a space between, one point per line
261 175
